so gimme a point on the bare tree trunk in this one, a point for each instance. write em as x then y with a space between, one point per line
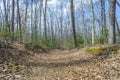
73 24
93 19
112 9
61 27
103 21
32 21
25 38
6 15
19 20
26 14
117 25
83 24
35 27
41 5
13 7
45 27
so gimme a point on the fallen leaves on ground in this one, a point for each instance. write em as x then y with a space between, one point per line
17 64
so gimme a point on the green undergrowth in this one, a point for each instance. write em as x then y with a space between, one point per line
98 50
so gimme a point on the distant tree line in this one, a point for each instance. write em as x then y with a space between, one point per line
61 26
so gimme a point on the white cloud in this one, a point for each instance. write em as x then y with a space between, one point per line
1 5
53 2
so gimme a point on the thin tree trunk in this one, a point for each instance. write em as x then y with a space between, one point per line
112 9
41 5
6 15
103 21
83 24
73 24
13 7
32 21
19 20
45 27
117 25
93 19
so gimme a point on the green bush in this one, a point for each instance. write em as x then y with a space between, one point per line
53 43
80 41
69 42
50 43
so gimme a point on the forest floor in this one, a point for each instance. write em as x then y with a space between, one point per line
16 63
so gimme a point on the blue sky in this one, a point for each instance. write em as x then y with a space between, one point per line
57 3
55 6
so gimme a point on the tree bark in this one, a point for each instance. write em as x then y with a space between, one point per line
112 9
103 21
45 27
6 16
83 24
93 19
13 7
73 24
19 20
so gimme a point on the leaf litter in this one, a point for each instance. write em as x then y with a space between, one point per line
19 63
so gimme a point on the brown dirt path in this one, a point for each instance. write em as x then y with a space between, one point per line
61 56
74 65
56 65
18 63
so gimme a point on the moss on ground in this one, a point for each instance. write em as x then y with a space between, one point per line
95 50
98 50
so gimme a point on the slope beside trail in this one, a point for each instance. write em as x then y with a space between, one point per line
74 64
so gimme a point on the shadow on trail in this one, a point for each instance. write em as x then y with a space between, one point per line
81 62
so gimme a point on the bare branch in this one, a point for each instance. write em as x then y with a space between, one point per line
118 3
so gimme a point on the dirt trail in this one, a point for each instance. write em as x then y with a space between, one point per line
56 65
61 56
17 63
74 65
